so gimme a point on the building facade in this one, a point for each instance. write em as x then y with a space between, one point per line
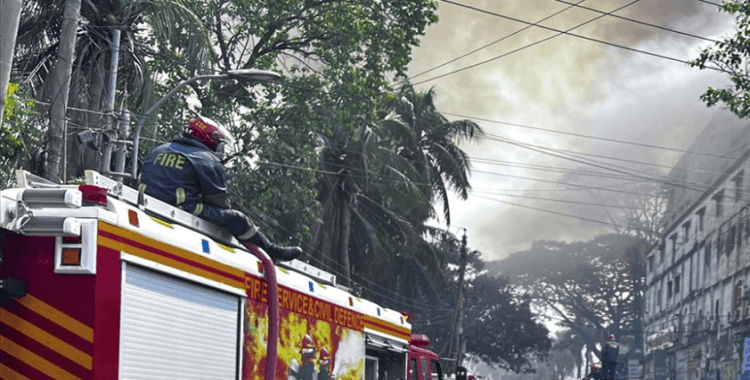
696 313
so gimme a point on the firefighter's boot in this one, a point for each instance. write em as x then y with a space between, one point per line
277 252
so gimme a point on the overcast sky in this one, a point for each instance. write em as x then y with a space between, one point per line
566 84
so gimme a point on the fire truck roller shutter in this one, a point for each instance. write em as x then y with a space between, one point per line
176 329
377 341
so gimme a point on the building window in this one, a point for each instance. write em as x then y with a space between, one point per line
716 309
738 186
662 250
719 242
673 241
669 289
707 254
659 298
676 285
686 232
650 264
718 200
738 290
700 220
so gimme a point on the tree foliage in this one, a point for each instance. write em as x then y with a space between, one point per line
589 286
731 55
499 326
18 134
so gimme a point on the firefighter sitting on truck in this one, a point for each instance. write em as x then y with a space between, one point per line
188 173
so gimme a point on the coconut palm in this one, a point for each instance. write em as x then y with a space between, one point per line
431 145
140 22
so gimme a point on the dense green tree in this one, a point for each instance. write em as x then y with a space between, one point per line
499 326
589 286
17 136
730 54
37 52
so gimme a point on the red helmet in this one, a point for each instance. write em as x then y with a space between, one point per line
209 132
308 346
324 354
612 337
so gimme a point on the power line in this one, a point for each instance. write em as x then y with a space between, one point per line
496 41
559 32
636 21
587 136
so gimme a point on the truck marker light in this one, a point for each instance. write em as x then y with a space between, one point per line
93 195
378 312
206 248
310 285
71 239
260 267
71 256
351 301
133 218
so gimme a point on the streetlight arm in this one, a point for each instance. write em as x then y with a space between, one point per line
149 113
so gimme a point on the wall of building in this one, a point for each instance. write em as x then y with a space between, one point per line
698 275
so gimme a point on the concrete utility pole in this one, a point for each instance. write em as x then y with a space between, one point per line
10 14
57 132
458 327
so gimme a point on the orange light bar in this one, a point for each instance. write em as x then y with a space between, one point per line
133 218
71 256
260 267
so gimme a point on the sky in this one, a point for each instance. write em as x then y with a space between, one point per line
566 84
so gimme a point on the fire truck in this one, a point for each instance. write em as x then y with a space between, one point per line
98 281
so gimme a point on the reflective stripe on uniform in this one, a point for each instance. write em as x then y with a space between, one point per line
249 234
179 195
142 188
198 209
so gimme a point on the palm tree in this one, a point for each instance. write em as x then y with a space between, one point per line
379 188
360 177
139 22
431 146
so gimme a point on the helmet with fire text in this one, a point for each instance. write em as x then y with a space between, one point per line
308 346
211 133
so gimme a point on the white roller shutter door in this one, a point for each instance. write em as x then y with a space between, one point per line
175 329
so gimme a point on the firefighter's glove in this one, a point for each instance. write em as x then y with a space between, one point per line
277 252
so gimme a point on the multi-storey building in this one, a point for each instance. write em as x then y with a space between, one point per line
697 312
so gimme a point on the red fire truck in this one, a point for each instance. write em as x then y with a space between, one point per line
99 282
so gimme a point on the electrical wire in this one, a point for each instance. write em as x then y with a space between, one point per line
636 21
495 42
589 136
559 32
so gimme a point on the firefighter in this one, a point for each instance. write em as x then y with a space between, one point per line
307 370
610 353
188 173
324 365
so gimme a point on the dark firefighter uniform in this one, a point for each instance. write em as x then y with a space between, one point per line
190 175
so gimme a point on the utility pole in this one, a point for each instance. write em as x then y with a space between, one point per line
458 327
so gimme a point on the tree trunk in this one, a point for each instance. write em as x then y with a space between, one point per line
343 246
61 88
10 13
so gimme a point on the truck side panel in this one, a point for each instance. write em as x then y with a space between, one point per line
107 318
49 333
318 340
